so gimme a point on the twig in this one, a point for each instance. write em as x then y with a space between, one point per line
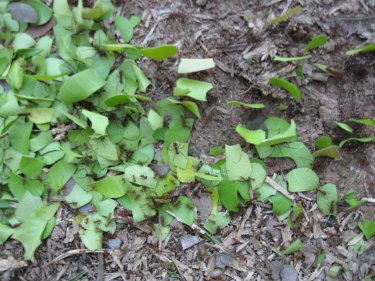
62 271
368 200
148 36
280 189
100 269
244 220
75 252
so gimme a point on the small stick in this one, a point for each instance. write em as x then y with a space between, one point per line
75 252
368 200
277 187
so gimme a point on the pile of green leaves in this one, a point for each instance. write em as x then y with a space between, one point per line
72 124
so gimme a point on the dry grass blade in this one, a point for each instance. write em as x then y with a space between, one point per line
279 188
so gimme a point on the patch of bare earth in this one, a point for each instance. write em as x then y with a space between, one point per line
237 35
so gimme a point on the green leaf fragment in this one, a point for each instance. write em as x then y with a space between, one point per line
78 197
138 202
332 151
112 187
16 75
192 88
286 85
301 180
195 65
40 115
296 246
255 137
367 227
59 174
125 27
215 222
334 270
364 139
257 176
191 106
228 194
287 15
350 198
30 232
160 52
237 164
327 199
367 48
99 122
297 151
31 167
140 175
80 86
248 105
184 209
316 42
363 121
323 142
27 206
345 127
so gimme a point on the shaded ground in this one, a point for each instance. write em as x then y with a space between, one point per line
236 35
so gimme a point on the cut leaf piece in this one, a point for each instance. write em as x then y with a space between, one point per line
112 187
316 42
178 154
40 115
99 122
195 65
323 142
297 151
296 246
141 175
80 86
289 135
350 198
327 199
184 209
215 222
237 164
78 197
281 205
59 174
367 48
155 120
160 52
248 105
228 194
286 85
332 151
31 167
192 88
368 228
138 202
90 235
363 121
125 27
301 180
251 136
364 139
192 106
257 176
287 15
345 127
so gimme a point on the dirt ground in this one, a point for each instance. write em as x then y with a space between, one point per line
237 36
